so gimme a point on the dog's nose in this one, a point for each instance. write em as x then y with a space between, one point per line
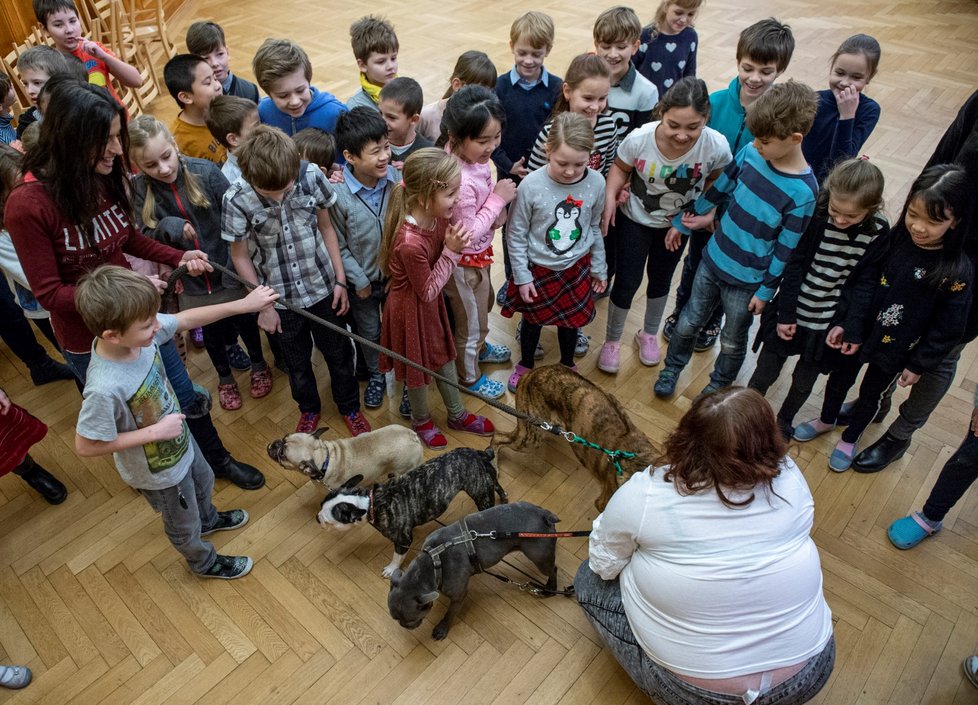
274 449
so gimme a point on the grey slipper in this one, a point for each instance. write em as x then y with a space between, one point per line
14 677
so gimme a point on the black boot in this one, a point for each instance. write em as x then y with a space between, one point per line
41 480
245 476
877 456
49 370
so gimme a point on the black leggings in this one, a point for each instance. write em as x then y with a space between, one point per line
530 336
641 250
803 378
219 334
871 392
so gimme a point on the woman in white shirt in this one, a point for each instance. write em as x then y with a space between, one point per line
702 577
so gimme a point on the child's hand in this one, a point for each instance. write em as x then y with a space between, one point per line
259 298
337 177
698 222
834 340
847 100
786 331
519 168
506 189
624 195
756 305
908 378
528 292
341 299
398 165
608 217
674 240
188 232
456 238
4 402
269 321
168 428
365 292
95 50
598 285
501 219
196 262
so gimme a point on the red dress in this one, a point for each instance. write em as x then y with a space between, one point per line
415 322
18 432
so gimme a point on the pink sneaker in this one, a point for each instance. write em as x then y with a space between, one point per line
610 357
514 379
648 348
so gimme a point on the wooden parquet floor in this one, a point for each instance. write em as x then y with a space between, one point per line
97 603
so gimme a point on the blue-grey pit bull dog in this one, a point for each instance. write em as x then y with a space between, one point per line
414 591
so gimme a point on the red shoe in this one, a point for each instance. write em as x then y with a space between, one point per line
228 396
357 423
261 383
430 435
470 423
308 422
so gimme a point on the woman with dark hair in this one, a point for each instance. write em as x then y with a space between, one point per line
702 578
72 213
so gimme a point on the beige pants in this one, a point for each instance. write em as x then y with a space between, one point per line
471 297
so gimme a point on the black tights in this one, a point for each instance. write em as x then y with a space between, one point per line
530 336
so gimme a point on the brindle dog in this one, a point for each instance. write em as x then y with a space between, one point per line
557 394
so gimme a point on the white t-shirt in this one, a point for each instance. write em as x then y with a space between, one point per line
662 187
711 591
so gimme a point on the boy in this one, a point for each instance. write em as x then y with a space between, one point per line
375 47
401 101
230 119
772 195
191 82
358 216
763 53
295 252
632 96
7 99
318 147
36 67
206 39
283 71
59 18
130 410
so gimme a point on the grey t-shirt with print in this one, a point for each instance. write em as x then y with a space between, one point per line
127 396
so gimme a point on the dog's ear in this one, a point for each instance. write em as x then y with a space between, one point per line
396 578
427 598
319 432
353 481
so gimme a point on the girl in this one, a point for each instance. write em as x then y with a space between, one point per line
667 47
668 163
555 246
176 202
473 122
903 312
847 221
472 67
585 92
845 116
419 252
18 432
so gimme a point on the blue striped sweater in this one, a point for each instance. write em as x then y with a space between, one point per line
766 215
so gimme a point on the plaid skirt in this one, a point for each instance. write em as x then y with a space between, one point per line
563 298
18 432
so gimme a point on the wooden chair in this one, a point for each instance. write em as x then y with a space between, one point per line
145 26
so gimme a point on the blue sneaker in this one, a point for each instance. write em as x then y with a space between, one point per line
665 386
908 532
489 388
495 354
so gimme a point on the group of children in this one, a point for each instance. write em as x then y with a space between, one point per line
380 214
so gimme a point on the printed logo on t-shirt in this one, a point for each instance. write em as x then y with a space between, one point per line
667 187
565 230
151 402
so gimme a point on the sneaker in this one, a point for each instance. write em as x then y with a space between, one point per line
707 338
261 383
840 461
229 567
495 354
911 530
430 435
710 389
539 352
15 677
486 387
308 422
665 385
227 521
197 337
970 666
514 379
357 423
470 423
228 396
669 326
373 395
238 358
648 348
609 358
583 343
405 407
806 431
501 294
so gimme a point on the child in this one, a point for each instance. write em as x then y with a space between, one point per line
668 163
473 123
230 119
905 314
846 117
848 220
317 147
36 67
556 246
283 71
206 39
667 50
8 132
772 192
375 47
59 18
584 91
191 82
400 105
130 410
419 251
764 50
632 95
175 201
471 67
295 252
18 432
362 201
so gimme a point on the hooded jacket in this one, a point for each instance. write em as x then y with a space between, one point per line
322 112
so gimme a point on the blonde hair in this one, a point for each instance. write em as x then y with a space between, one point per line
535 28
571 129
277 58
660 13
617 24
141 130
582 67
426 172
114 298
268 158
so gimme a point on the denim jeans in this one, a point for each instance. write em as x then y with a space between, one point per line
601 602
697 241
708 289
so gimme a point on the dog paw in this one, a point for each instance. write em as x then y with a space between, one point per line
389 570
440 632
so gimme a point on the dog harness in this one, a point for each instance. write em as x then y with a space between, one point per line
467 538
